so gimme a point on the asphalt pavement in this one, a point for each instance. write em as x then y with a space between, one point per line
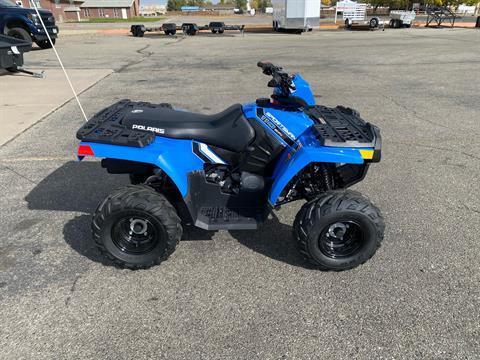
249 295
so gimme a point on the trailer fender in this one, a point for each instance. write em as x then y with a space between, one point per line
175 157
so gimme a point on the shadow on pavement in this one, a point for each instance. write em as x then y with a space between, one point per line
75 186
80 186
274 240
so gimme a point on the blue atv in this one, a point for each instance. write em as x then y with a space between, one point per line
228 171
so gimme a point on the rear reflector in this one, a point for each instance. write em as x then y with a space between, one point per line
85 150
367 154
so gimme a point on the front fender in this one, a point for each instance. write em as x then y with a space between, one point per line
173 156
293 163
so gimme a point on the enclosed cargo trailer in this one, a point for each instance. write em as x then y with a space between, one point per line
300 15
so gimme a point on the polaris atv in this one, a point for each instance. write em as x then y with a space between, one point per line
228 171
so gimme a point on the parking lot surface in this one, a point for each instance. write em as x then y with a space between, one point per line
249 295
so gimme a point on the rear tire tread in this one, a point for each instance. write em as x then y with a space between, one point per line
138 197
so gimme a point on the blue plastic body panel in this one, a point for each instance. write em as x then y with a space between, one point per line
173 156
292 161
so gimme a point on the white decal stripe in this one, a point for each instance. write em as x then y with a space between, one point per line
210 154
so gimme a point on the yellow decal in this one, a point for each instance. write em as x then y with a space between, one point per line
366 154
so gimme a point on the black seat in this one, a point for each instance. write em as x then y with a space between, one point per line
228 130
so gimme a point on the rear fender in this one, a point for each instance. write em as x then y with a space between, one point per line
173 156
293 163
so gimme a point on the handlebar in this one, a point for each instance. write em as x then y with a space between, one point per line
280 79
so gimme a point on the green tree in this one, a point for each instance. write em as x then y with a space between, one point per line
175 5
241 4
261 5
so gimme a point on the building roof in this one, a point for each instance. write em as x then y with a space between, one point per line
107 4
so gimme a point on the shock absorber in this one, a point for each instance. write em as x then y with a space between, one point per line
327 175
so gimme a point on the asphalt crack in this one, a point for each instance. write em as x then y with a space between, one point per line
72 290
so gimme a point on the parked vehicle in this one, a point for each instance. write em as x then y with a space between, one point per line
187 28
168 29
24 24
354 16
400 18
230 170
217 27
297 15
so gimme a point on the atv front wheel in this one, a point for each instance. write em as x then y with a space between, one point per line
339 230
136 227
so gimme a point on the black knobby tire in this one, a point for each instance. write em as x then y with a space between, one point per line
374 23
129 203
316 218
19 33
45 44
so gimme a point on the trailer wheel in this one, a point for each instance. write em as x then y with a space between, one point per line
391 23
348 24
374 23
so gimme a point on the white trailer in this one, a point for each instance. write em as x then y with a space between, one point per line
299 15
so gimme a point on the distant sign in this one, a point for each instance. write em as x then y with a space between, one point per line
190 8
346 5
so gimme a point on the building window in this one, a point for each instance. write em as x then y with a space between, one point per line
101 13
36 2
115 13
86 12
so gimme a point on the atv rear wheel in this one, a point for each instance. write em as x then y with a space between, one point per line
339 230
136 227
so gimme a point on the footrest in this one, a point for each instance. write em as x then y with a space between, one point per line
221 218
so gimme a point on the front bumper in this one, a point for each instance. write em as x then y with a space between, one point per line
39 33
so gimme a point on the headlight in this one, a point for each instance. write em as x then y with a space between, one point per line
34 18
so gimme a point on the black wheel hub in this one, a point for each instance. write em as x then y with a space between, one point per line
341 239
135 235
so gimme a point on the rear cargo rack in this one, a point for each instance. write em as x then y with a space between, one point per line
341 127
106 126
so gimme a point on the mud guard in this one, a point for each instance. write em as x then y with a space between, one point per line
293 163
173 156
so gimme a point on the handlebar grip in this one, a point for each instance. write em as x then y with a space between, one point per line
262 64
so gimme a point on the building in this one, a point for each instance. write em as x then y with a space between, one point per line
63 10
76 10
123 9
153 10
220 9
